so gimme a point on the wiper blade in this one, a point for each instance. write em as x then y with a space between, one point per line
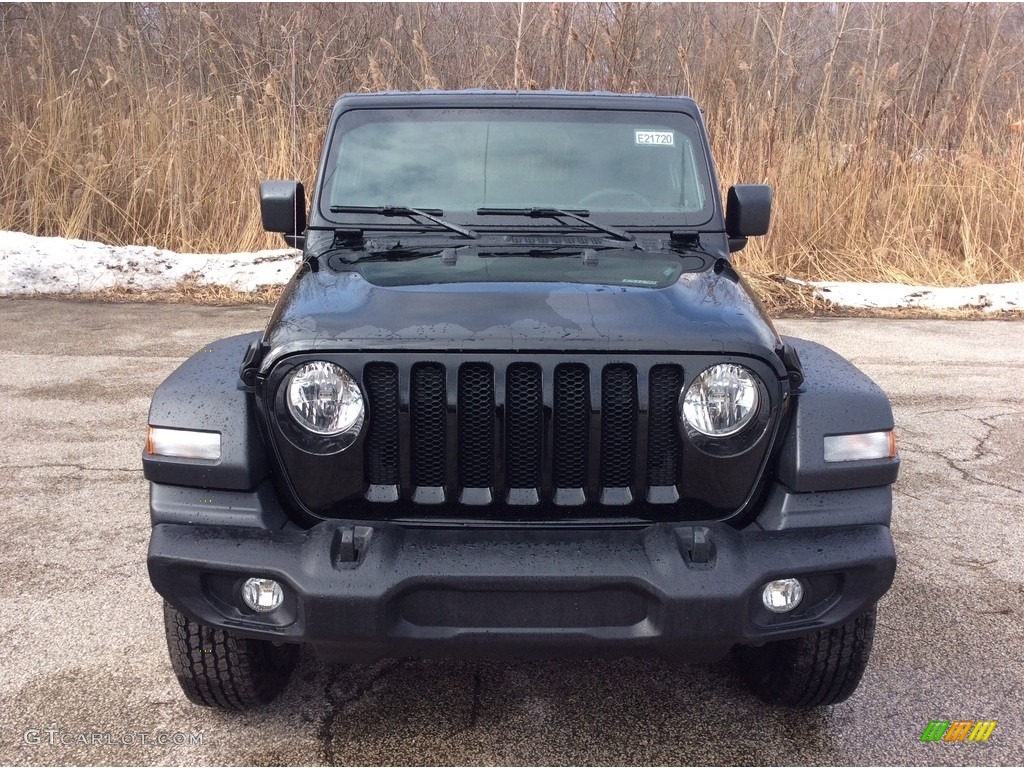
553 213
387 256
393 250
432 214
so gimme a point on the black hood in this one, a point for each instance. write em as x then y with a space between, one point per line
710 310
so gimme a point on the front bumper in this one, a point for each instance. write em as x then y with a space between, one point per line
359 593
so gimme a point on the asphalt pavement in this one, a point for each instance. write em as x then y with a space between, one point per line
84 675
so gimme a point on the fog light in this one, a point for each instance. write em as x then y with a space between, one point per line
262 595
782 595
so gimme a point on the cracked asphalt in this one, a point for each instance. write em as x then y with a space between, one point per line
81 641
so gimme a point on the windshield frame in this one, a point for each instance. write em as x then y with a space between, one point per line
709 219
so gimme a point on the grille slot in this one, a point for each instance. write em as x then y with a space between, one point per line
571 424
524 424
663 429
618 425
381 382
476 425
429 411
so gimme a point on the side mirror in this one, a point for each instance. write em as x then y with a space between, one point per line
283 209
748 212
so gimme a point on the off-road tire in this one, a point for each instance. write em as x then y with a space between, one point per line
218 669
813 671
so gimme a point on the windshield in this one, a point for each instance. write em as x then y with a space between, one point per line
461 160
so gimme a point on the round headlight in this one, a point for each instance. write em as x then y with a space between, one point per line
323 398
721 401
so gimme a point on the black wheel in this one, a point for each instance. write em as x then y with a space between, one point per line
813 671
218 669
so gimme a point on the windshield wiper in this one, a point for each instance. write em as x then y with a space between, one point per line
554 213
449 256
432 214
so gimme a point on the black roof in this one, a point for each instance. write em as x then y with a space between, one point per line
487 98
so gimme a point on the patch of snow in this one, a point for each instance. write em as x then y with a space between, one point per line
30 264
996 297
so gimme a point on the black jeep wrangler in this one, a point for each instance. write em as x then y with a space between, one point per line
516 401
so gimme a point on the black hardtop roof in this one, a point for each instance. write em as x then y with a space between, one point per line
549 99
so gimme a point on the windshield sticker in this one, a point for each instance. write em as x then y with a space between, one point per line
656 138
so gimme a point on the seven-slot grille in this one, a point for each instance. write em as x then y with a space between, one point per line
523 434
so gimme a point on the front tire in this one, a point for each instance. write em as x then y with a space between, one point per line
218 669
817 670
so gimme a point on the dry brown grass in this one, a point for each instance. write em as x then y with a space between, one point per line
887 131
782 298
188 291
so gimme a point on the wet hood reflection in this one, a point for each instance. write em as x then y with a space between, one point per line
335 307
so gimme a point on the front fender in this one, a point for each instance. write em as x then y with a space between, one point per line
204 394
836 398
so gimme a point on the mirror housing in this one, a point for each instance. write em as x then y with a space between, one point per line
283 209
748 213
